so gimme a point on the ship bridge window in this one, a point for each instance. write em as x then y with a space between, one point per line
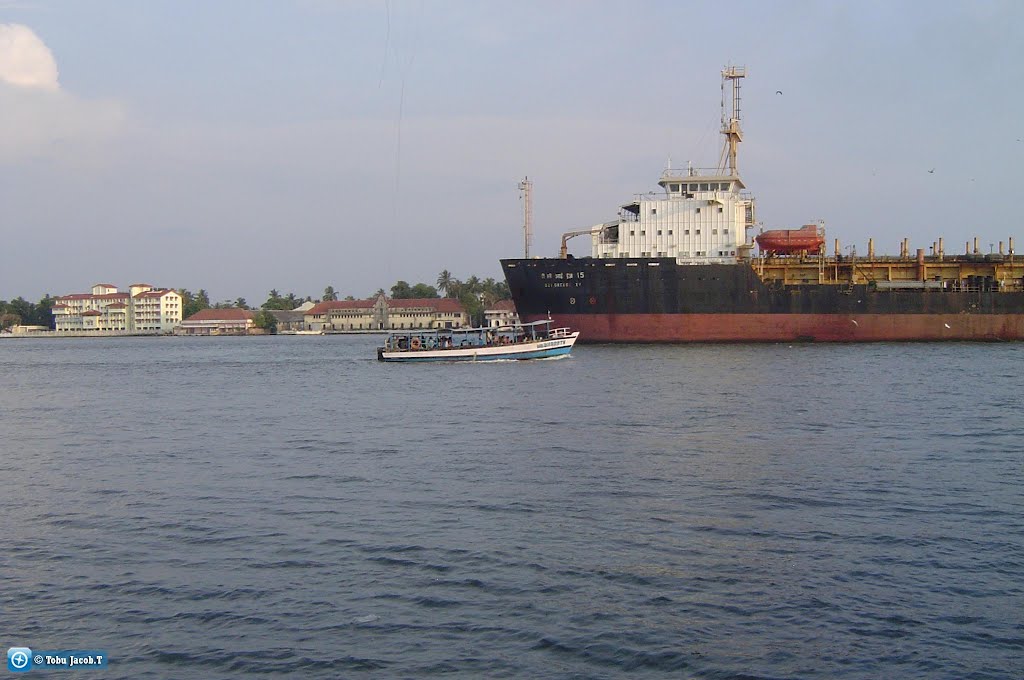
674 188
704 186
694 187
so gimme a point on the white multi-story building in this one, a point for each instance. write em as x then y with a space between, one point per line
143 309
155 309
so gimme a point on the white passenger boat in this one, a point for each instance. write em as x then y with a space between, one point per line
535 340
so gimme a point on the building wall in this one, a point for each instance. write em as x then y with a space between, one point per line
141 313
384 316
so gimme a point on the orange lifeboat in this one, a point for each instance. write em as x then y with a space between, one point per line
807 239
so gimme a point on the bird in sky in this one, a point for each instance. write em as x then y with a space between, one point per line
932 171
780 92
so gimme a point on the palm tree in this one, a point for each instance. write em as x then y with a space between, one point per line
329 294
444 282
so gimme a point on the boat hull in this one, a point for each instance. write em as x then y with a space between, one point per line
656 300
546 349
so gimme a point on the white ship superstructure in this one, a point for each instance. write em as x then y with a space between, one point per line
701 215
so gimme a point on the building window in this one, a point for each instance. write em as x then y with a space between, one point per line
719 208
698 232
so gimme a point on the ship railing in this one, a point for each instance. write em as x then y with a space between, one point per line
683 173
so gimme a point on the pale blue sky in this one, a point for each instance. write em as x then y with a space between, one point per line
240 146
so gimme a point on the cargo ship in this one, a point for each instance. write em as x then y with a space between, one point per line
683 265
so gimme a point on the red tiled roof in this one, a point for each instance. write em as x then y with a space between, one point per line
117 305
229 314
137 285
437 304
324 307
105 285
502 306
58 306
92 312
90 296
160 292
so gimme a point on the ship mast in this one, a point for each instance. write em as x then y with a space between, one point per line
526 194
731 123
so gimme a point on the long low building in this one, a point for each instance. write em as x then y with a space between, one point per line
230 321
384 314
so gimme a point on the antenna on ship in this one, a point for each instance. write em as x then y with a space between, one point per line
731 123
526 194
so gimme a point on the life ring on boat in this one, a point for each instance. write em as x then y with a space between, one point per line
415 343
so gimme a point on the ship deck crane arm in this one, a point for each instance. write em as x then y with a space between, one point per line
564 252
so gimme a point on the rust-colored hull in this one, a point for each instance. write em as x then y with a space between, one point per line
790 327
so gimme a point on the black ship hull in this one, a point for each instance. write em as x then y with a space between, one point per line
658 300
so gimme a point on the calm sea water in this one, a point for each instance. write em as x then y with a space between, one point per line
229 507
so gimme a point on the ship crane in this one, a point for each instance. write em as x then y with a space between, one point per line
564 252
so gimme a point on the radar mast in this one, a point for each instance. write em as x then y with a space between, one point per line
526 195
731 120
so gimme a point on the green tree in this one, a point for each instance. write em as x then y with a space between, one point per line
401 290
276 301
422 290
193 302
43 313
241 303
264 319
329 294
444 282
23 309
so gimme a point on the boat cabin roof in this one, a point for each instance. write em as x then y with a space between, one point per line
481 329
